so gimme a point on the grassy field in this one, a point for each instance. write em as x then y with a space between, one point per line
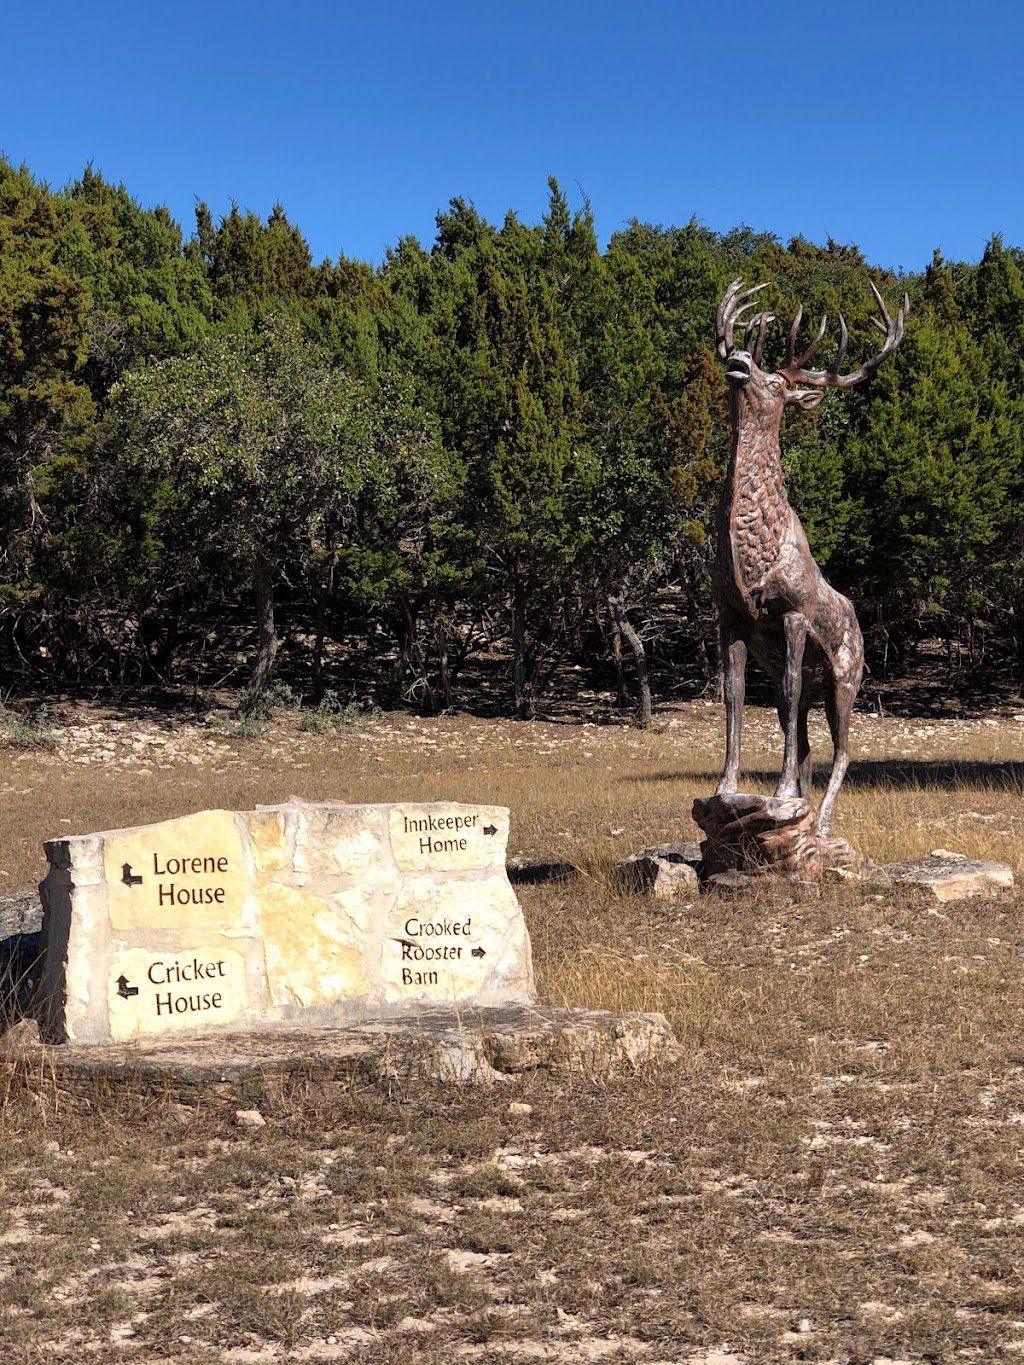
833 1172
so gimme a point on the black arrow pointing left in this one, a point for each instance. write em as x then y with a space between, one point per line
123 989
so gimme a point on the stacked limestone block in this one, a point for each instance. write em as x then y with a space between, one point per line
301 913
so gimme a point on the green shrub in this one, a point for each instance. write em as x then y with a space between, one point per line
34 730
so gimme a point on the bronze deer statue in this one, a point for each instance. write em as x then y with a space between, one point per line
772 598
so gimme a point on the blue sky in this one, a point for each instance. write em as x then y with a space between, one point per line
896 126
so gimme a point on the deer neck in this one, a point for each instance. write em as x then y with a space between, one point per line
756 513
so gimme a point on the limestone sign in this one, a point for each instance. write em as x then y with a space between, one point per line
326 914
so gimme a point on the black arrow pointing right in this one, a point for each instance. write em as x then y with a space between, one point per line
490 829
477 952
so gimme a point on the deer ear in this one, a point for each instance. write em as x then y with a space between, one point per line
805 398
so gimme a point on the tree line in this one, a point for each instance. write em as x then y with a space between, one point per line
506 444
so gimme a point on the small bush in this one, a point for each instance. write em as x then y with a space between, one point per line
32 731
247 724
333 714
280 696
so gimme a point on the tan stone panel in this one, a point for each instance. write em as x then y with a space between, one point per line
445 836
339 840
186 873
312 955
442 941
268 839
362 907
187 990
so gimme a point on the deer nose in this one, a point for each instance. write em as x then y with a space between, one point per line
737 367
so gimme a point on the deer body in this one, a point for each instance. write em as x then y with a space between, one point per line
773 600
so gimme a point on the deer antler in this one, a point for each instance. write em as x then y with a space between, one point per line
761 323
736 302
891 329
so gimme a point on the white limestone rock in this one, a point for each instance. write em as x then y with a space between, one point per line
663 871
945 876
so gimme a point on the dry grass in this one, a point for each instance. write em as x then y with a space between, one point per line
833 1173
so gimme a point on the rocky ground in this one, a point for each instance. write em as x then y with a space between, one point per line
830 1172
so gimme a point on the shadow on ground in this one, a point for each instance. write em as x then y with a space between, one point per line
937 774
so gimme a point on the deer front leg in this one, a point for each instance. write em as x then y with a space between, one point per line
734 665
803 740
795 626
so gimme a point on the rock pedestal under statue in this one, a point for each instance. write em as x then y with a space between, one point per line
754 835
748 836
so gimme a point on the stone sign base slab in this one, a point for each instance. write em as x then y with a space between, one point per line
480 1046
757 835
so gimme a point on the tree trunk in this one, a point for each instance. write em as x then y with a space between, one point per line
266 629
415 655
321 590
441 645
320 629
707 665
620 672
521 682
639 659
464 642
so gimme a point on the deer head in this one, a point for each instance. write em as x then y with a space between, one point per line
761 395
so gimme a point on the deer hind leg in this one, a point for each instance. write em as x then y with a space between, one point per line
804 751
790 783
734 664
838 708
